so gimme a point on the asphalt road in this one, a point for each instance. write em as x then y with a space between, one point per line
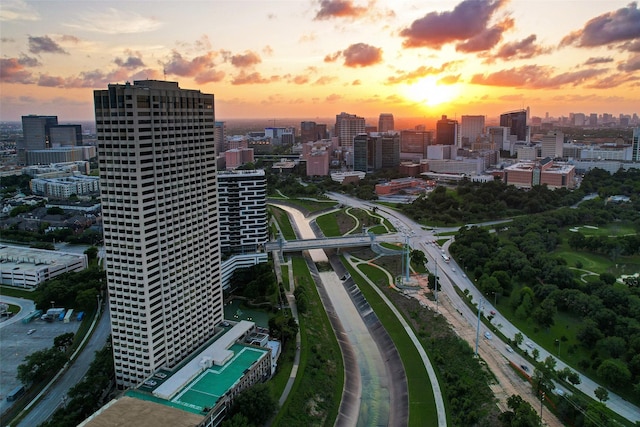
53 397
450 275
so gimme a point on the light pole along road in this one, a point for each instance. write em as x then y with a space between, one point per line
451 276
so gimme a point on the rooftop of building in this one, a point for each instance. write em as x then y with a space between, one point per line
23 259
184 396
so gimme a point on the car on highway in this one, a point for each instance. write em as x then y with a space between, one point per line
488 335
493 312
509 349
525 368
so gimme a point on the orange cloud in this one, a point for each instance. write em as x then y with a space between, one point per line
339 9
14 70
535 77
522 49
418 73
248 59
252 78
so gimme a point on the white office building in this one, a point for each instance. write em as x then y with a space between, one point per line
160 215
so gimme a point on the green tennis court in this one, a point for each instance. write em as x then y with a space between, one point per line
207 387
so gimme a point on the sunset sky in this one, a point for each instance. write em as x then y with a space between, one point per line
317 58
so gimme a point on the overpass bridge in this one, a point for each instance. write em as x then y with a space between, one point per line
351 241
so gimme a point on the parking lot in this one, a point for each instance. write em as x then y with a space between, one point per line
16 343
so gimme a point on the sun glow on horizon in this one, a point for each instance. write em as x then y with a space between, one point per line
429 92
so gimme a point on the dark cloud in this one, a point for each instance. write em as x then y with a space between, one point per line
486 39
252 78
28 61
418 73
631 64
247 59
51 81
12 70
522 49
468 19
45 44
362 55
132 61
339 9
618 26
598 60
535 77
633 46
182 67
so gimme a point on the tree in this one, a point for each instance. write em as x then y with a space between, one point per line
256 403
535 353
91 253
238 420
518 338
62 342
521 414
41 364
614 372
602 394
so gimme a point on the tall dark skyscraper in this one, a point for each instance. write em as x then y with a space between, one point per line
160 217
517 122
447 131
385 122
36 134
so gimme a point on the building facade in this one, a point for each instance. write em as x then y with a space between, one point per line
552 144
447 131
160 217
385 122
471 128
242 198
347 127
516 121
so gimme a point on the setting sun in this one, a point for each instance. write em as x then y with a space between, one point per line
430 93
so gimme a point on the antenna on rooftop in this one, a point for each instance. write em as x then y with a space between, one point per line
164 71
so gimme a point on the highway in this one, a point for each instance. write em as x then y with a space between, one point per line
451 275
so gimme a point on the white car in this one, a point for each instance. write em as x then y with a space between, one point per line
488 335
30 331
509 349
529 344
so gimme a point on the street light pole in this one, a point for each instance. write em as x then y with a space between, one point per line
541 400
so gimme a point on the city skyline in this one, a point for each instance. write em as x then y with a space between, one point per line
318 58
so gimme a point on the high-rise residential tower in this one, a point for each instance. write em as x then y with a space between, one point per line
552 144
635 154
347 127
160 218
385 122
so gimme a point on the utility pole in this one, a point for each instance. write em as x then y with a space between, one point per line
436 286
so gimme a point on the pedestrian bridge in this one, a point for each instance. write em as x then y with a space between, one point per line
353 241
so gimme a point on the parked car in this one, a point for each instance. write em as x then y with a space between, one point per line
30 331
529 344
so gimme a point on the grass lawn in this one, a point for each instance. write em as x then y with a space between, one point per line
378 229
422 410
328 223
16 293
283 220
598 263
